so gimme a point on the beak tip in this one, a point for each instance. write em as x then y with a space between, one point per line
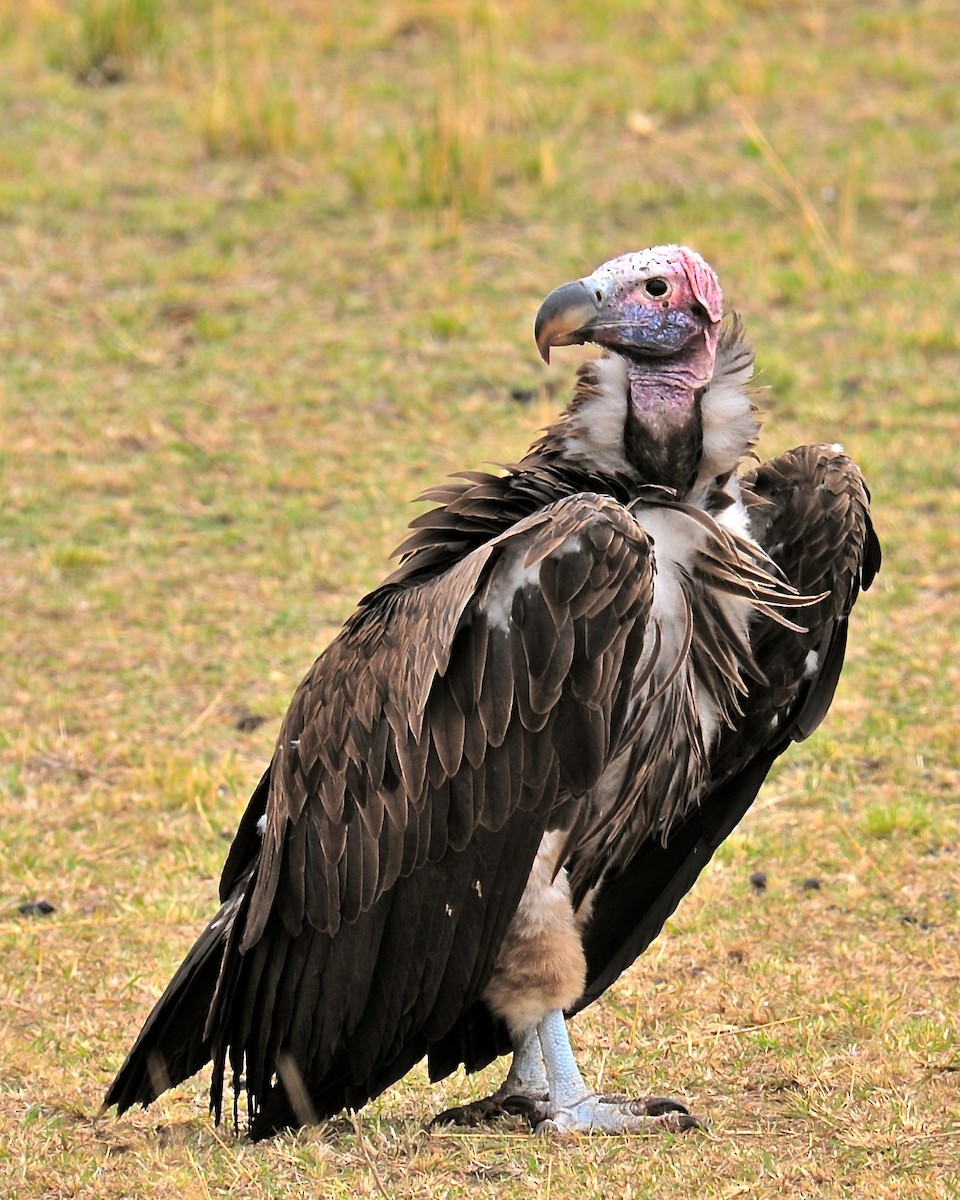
564 316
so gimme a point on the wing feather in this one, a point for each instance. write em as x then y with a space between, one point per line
417 768
810 514
809 511
496 699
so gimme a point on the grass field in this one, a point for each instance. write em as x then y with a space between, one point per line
267 271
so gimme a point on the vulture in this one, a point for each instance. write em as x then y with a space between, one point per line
495 785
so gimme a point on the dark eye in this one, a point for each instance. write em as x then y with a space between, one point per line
656 287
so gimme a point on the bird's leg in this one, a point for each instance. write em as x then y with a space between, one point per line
540 970
526 1076
573 1108
540 966
523 1091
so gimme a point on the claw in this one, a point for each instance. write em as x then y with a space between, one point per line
574 1108
657 1106
478 1112
545 1086
525 1106
490 1109
665 1106
617 1114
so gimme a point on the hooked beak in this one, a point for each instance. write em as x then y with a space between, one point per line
652 308
566 316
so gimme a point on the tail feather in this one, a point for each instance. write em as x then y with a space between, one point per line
172 1046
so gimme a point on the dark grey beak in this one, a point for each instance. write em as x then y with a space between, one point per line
568 310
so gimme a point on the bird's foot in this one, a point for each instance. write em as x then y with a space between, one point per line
493 1108
620 1114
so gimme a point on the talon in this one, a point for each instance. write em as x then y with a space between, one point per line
478 1112
573 1108
686 1120
490 1109
658 1106
619 1115
525 1106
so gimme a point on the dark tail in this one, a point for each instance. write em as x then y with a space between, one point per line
171 1046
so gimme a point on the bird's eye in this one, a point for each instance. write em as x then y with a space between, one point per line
656 287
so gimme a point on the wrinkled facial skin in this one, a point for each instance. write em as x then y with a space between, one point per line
651 330
661 309
652 302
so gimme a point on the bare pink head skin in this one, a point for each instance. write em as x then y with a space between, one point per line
660 309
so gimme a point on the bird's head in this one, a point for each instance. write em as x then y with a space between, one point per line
658 311
654 303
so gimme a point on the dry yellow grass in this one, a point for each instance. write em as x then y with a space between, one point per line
223 377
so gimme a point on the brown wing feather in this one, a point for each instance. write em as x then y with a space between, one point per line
427 751
809 510
381 721
814 522
810 513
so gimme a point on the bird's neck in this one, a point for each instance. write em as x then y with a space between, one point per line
637 422
625 423
663 432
